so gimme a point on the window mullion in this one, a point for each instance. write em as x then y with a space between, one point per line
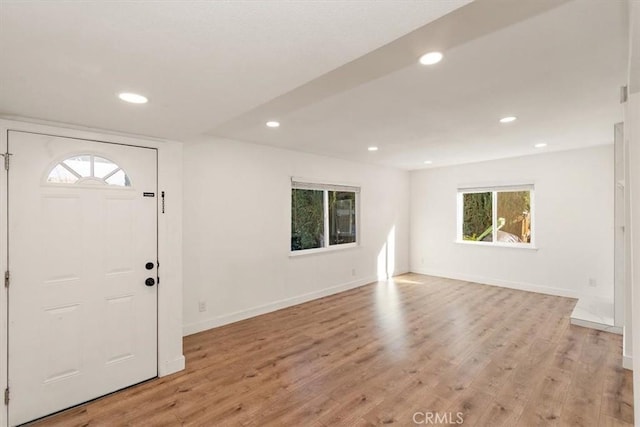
335 211
326 218
460 219
357 219
532 210
494 214
516 217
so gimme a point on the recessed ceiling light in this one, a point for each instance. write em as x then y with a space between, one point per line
427 162
133 98
431 58
273 124
508 119
540 145
372 148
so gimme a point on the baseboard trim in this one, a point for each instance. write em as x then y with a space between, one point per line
598 326
193 328
171 366
627 362
547 290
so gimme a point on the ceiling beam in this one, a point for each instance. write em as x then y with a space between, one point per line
477 19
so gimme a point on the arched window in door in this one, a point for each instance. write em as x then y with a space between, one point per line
88 169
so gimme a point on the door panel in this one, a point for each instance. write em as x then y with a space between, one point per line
82 322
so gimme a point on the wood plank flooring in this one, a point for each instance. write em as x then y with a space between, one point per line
413 349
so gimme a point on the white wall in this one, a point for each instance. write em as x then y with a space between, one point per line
237 201
573 224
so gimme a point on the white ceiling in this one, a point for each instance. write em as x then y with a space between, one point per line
200 62
339 75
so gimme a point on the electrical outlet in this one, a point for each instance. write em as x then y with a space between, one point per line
422 261
353 272
592 282
202 306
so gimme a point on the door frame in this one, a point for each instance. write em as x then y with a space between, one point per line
169 181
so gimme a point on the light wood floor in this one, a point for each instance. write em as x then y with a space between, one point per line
380 353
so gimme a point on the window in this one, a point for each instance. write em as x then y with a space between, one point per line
498 215
323 216
88 169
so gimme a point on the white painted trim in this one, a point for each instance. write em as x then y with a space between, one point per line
172 366
325 206
330 248
627 353
528 246
495 190
170 357
627 362
215 322
4 414
356 187
595 325
488 187
70 127
548 290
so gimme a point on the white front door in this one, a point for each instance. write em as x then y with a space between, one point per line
82 229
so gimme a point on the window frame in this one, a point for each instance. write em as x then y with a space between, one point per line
91 180
325 187
494 190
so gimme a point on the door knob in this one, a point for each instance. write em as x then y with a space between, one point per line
150 281
149 266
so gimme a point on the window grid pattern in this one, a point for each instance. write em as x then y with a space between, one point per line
88 169
496 215
323 216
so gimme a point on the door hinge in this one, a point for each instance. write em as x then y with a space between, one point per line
7 278
6 396
624 94
6 160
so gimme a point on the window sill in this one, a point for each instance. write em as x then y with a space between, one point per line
525 246
334 248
